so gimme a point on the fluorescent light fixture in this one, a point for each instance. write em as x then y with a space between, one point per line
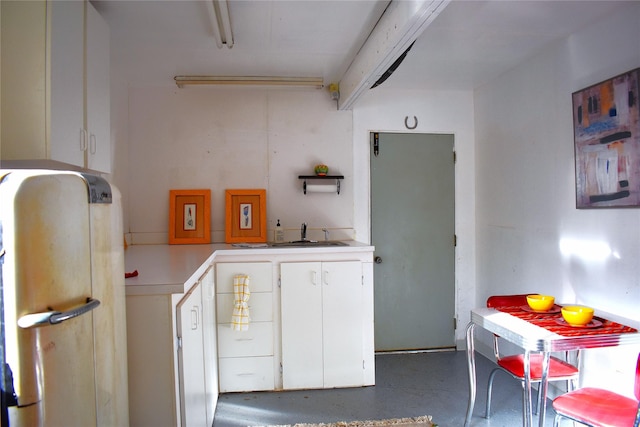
220 22
315 82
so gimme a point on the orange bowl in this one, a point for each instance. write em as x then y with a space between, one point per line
577 315
540 302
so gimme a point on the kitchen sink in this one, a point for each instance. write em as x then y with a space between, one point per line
308 244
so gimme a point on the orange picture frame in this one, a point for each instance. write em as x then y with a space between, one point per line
246 216
189 217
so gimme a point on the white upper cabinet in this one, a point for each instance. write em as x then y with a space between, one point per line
67 74
24 41
55 84
97 92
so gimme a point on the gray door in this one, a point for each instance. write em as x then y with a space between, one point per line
412 228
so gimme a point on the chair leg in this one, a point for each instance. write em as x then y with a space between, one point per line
525 408
536 409
556 420
487 412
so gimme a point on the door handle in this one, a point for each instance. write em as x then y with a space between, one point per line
194 318
83 139
55 317
92 144
377 260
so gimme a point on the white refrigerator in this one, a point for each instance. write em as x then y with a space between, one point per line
64 354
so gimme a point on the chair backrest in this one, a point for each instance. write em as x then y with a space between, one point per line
507 300
637 385
504 301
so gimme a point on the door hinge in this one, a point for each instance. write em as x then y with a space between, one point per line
455 324
179 342
455 157
376 144
455 240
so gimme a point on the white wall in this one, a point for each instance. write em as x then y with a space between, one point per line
224 138
514 176
169 138
438 112
525 199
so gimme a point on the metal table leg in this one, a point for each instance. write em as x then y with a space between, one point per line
527 413
542 404
471 364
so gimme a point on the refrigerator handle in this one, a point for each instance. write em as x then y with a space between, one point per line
55 317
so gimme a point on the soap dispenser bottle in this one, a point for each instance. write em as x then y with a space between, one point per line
279 233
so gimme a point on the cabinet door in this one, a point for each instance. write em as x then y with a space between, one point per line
210 348
24 84
193 405
150 338
342 321
97 93
67 82
42 80
301 308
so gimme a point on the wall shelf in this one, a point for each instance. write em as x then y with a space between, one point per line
320 188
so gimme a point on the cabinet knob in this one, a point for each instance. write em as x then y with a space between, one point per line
377 260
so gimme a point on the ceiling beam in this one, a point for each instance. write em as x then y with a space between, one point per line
400 25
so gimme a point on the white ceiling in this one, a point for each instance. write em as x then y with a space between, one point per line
467 45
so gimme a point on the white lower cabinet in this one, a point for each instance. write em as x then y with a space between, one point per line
311 326
197 379
322 324
190 358
173 377
245 358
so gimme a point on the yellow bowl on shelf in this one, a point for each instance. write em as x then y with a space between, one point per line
577 315
539 302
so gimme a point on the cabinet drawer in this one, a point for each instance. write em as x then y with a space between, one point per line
257 341
260 276
246 374
260 307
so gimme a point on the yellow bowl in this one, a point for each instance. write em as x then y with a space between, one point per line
540 302
577 315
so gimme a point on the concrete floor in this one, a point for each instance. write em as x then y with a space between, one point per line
407 385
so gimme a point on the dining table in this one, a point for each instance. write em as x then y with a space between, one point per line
540 332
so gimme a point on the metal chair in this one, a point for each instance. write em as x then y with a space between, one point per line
559 370
598 407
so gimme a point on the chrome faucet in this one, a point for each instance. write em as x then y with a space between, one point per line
326 234
303 231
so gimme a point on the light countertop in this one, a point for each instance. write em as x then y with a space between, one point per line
166 269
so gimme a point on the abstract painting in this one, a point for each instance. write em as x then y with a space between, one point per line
606 125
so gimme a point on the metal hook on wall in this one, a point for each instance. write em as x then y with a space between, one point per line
406 122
